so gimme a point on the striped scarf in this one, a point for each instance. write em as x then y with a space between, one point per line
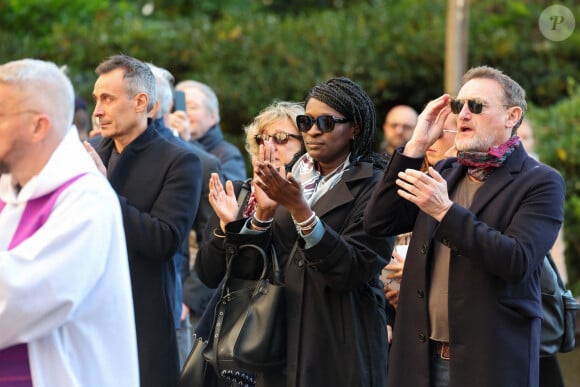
482 164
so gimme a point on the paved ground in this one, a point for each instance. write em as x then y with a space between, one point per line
570 364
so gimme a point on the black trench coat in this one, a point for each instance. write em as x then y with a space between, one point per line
336 319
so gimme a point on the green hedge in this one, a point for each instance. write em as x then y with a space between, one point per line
394 49
558 142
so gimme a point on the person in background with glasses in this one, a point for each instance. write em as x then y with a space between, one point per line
312 214
398 127
274 128
469 311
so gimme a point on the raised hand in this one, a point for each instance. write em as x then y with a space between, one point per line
223 202
429 126
179 121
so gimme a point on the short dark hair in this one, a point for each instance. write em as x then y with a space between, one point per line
138 75
513 93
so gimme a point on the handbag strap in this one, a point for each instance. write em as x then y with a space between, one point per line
555 268
243 197
236 252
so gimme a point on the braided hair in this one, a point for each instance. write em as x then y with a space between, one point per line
349 99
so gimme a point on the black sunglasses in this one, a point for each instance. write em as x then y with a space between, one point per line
474 105
325 123
280 138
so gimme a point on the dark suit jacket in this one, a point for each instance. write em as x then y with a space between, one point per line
155 181
497 247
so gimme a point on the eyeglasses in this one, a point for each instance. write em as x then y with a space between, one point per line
280 138
325 123
474 105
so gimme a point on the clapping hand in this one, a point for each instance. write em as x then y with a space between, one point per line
223 202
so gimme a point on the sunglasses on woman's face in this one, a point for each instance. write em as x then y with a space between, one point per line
280 138
474 105
325 123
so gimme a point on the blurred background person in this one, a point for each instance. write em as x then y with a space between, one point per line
550 373
192 295
201 123
398 127
82 118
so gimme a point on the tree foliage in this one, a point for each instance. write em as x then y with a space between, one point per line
254 51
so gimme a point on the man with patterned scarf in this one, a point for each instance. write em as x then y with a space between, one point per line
469 309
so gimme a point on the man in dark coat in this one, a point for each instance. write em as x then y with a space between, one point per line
155 181
469 310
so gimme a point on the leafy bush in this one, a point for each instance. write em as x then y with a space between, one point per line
556 129
394 49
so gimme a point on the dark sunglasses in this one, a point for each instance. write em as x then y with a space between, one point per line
474 105
324 123
280 138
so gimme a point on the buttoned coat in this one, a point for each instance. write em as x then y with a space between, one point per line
497 247
336 323
156 182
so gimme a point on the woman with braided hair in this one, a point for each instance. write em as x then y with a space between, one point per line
312 215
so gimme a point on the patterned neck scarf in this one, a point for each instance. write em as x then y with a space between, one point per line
314 185
482 164
251 206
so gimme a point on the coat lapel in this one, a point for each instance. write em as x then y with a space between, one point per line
499 178
341 191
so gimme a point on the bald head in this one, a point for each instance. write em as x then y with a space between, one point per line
398 126
41 86
37 108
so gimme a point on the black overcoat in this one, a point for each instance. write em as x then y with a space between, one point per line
497 247
157 183
336 322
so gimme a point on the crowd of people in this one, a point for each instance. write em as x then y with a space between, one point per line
417 266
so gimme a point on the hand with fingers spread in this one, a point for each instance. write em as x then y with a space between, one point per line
429 127
426 191
223 202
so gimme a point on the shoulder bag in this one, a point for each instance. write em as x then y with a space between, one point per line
559 308
249 332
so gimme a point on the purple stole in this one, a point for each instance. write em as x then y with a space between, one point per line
14 364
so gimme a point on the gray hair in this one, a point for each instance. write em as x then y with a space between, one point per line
47 87
138 75
273 112
164 80
211 100
513 93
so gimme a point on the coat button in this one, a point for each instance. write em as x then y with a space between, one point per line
422 337
421 293
424 249
301 263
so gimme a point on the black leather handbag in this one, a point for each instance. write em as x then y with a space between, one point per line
196 372
249 332
559 308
